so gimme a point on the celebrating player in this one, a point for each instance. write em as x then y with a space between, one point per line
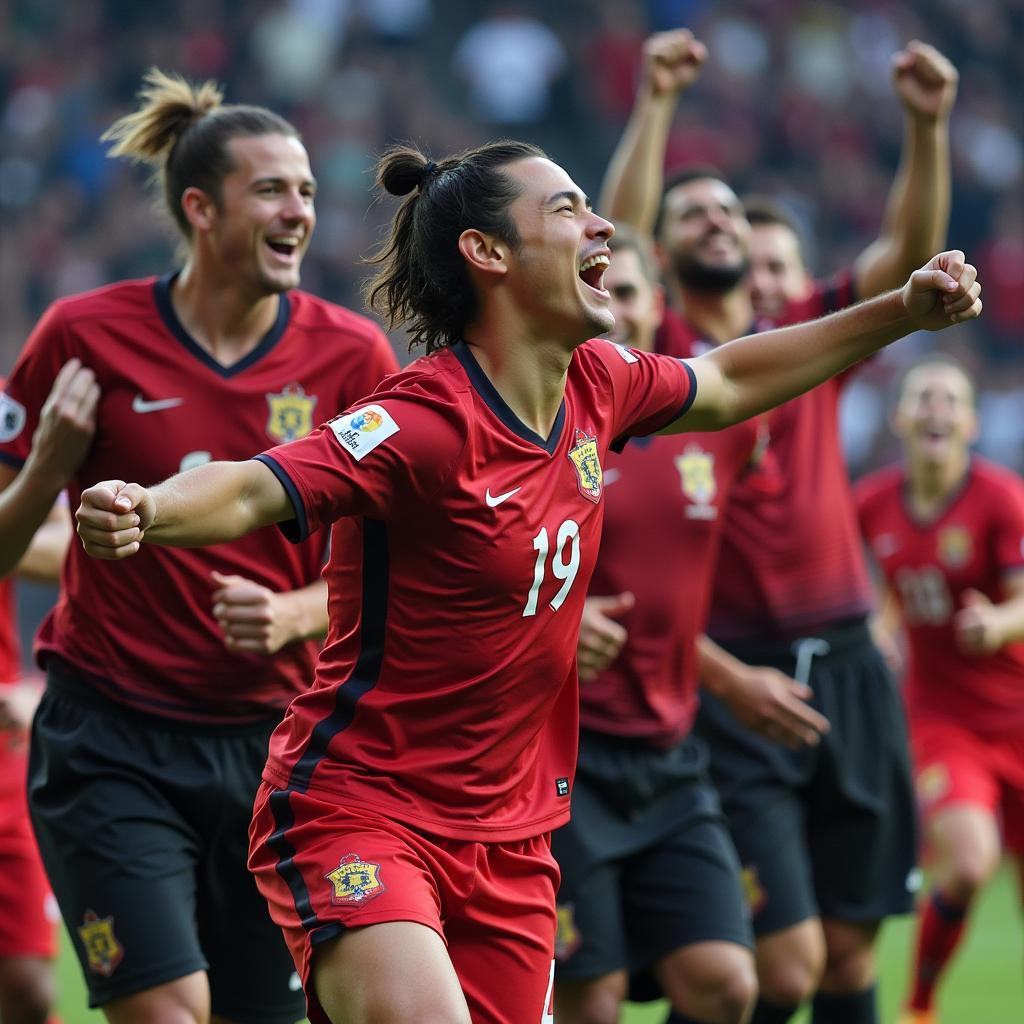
165 681
401 835
792 591
947 530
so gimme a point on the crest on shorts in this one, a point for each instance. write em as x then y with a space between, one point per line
954 543
753 891
697 475
102 949
932 783
354 880
587 464
291 413
567 935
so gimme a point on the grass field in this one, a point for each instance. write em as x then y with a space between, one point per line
984 986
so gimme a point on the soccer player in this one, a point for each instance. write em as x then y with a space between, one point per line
27 933
165 681
792 591
650 878
401 835
947 530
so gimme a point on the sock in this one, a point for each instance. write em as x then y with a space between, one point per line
940 927
772 1013
852 1008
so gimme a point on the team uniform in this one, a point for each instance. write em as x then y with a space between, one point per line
965 710
149 743
792 592
646 860
421 776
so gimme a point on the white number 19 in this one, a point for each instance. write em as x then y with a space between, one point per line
562 568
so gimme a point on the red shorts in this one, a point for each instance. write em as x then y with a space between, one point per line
28 911
953 765
324 868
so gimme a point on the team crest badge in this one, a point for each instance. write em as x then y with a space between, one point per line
291 413
932 783
753 891
567 935
354 880
954 545
102 949
697 474
585 459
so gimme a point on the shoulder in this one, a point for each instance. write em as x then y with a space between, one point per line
309 312
878 487
124 298
991 479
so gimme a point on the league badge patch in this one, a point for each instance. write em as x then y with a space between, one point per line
12 417
697 475
291 413
361 431
102 949
584 458
354 880
567 935
954 543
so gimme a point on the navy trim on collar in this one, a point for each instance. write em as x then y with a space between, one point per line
162 294
489 393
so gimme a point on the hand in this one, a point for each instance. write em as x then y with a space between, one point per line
771 703
113 518
977 625
943 292
18 703
888 645
67 423
925 80
601 637
672 62
251 616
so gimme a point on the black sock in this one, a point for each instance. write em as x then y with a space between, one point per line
853 1008
772 1013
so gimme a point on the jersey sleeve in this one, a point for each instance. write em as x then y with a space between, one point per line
49 346
382 459
1008 542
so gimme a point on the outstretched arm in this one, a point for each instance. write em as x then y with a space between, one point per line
631 191
750 375
211 504
917 212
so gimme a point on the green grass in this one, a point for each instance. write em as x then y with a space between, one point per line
984 985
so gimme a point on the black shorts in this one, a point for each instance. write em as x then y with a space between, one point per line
830 830
647 864
143 826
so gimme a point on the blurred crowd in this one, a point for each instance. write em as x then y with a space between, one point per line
795 102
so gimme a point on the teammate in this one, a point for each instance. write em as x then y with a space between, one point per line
27 933
649 874
165 681
947 530
791 569
402 831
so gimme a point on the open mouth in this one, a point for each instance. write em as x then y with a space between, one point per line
592 273
284 245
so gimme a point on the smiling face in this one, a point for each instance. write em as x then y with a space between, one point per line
777 272
263 224
705 235
637 302
935 416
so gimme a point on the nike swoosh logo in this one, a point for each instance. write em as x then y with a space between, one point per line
139 404
499 498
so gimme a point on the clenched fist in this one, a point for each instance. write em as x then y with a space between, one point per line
925 80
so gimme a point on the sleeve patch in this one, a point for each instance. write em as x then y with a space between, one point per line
12 417
361 431
627 356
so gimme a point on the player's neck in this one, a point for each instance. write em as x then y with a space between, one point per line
220 318
933 485
717 317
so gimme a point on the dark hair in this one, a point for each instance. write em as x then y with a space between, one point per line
183 130
697 172
422 281
765 210
628 239
936 359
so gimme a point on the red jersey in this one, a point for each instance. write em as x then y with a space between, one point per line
664 517
452 704
143 630
791 560
10 652
973 543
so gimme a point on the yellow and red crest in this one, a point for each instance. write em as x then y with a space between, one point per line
567 935
102 949
587 463
955 548
291 413
354 880
697 474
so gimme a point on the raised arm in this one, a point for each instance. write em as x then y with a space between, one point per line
210 504
632 185
917 212
750 375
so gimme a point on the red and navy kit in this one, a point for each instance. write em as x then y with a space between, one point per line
452 704
791 560
973 544
143 630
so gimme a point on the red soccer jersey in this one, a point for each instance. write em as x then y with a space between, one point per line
452 705
144 628
974 543
791 560
10 652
